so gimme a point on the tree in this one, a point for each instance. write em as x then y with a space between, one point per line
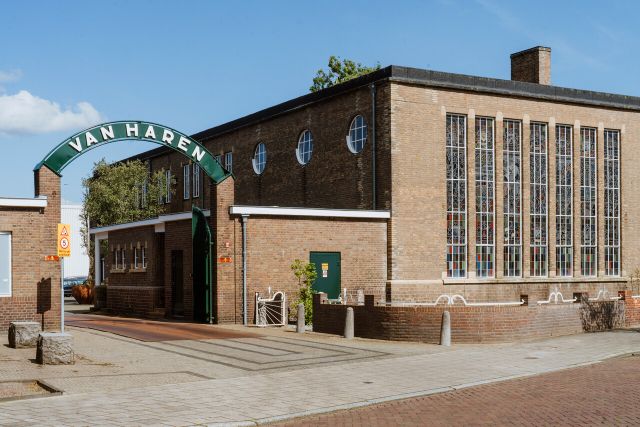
306 274
119 193
339 72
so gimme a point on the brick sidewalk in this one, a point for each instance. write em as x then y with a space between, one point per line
340 374
601 394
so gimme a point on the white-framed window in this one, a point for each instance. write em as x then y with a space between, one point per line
144 191
305 147
136 257
538 199
5 264
564 200
167 191
196 180
144 257
588 202
186 181
259 160
512 197
485 197
357 134
228 161
612 202
120 258
456 152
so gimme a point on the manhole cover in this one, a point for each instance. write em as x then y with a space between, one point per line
15 390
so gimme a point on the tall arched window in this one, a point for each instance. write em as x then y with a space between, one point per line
305 147
260 158
357 134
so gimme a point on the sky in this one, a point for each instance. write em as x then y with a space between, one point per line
191 65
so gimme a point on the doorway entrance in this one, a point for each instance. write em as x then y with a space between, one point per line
328 269
177 283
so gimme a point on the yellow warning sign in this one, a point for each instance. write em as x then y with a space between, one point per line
64 240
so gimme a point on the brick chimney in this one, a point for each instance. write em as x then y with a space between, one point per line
532 65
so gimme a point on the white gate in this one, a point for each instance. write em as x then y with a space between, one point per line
271 311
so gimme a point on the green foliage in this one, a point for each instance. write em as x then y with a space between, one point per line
306 274
113 194
339 72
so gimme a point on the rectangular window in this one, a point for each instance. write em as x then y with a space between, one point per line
167 183
456 146
123 258
588 202
144 257
538 199
228 161
612 202
144 194
196 180
512 199
5 264
564 200
186 181
485 197
135 257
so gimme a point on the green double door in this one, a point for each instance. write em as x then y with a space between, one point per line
328 269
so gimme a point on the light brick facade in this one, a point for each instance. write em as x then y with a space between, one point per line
403 258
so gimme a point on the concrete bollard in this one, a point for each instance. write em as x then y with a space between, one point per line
348 324
300 326
55 348
445 332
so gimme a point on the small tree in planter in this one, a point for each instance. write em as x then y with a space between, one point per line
306 274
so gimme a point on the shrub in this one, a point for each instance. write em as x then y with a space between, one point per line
306 275
83 294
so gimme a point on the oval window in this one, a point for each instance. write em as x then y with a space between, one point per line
305 147
260 158
357 134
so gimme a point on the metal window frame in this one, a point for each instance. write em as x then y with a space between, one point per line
537 217
167 177
612 206
508 187
462 211
590 270
228 161
195 193
305 147
489 216
357 127
259 160
564 264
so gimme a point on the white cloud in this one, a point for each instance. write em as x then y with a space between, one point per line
10 76
24 113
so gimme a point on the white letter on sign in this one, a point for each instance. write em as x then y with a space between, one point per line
76 144
150 133
90 138
183 143
132 130
198 153
107 133
167 136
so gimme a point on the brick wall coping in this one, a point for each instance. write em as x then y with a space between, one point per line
180 216
312 212
17 202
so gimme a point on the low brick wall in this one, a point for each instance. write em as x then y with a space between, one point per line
490 324
135 300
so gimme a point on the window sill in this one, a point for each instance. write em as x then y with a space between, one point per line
118 271
138 270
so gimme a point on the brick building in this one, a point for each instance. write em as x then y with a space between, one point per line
29 285
419 183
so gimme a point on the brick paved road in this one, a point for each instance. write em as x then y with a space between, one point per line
606 393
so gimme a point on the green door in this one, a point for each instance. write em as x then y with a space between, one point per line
328 269
202 283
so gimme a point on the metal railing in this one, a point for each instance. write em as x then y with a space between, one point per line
271 311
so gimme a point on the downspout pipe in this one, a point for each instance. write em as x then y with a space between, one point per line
245 221
372 88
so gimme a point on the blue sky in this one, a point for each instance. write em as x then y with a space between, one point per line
192 65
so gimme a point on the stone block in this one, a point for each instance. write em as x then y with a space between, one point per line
55 348
23 334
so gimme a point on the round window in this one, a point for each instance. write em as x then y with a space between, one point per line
305 147
357 134
260 158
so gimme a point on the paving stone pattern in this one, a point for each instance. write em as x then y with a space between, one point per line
601 394
278 375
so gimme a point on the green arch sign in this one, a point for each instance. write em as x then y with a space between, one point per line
105 133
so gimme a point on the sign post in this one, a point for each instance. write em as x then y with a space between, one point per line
64 250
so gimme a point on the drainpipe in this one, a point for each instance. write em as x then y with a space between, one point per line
245 220
372 87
